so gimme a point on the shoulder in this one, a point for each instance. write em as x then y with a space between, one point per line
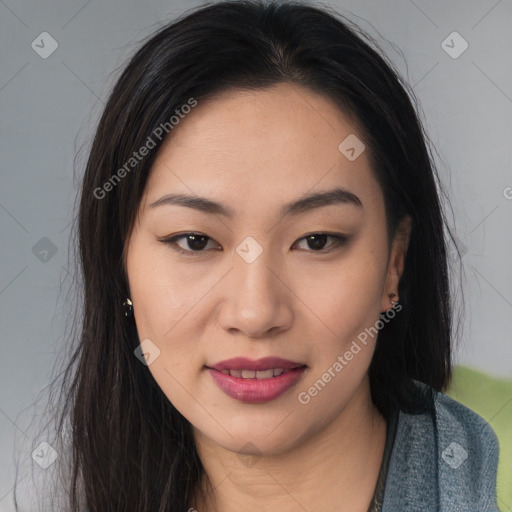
444 460
468 452
454 419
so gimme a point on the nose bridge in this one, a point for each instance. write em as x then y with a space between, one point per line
256 299
254 277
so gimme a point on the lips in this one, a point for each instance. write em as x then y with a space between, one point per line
257 381
266 363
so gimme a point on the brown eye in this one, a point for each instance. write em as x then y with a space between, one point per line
194 243
317 241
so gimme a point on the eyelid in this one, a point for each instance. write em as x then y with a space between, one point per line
172 242
340 240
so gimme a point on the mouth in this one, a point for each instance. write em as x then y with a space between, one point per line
265 364
259 374
256 381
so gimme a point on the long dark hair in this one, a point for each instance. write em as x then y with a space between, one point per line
130 448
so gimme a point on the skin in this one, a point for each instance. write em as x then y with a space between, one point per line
254 151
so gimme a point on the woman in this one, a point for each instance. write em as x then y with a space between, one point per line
267 313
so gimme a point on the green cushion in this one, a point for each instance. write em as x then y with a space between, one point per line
491 398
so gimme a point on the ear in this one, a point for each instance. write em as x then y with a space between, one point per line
396 263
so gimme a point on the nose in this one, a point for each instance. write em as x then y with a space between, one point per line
257 298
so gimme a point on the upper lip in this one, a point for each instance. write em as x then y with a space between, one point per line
266 363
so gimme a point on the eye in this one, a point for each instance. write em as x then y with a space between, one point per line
195 243
317 241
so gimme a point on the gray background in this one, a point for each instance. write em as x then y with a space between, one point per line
49 108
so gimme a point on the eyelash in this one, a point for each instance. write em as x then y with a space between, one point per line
339 241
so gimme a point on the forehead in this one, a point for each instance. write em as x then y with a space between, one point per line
262 145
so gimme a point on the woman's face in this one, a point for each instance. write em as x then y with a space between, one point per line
256 284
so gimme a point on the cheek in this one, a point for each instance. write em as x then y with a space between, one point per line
342 348
344 297
162 308
344 303
160 295
165 305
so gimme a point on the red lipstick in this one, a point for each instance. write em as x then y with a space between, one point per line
256 381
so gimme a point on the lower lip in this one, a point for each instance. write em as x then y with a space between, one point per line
256 391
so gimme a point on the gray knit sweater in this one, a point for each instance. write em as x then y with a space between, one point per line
442 462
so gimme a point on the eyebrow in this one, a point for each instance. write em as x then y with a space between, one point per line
318 200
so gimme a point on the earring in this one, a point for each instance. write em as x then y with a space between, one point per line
392 296
128 308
